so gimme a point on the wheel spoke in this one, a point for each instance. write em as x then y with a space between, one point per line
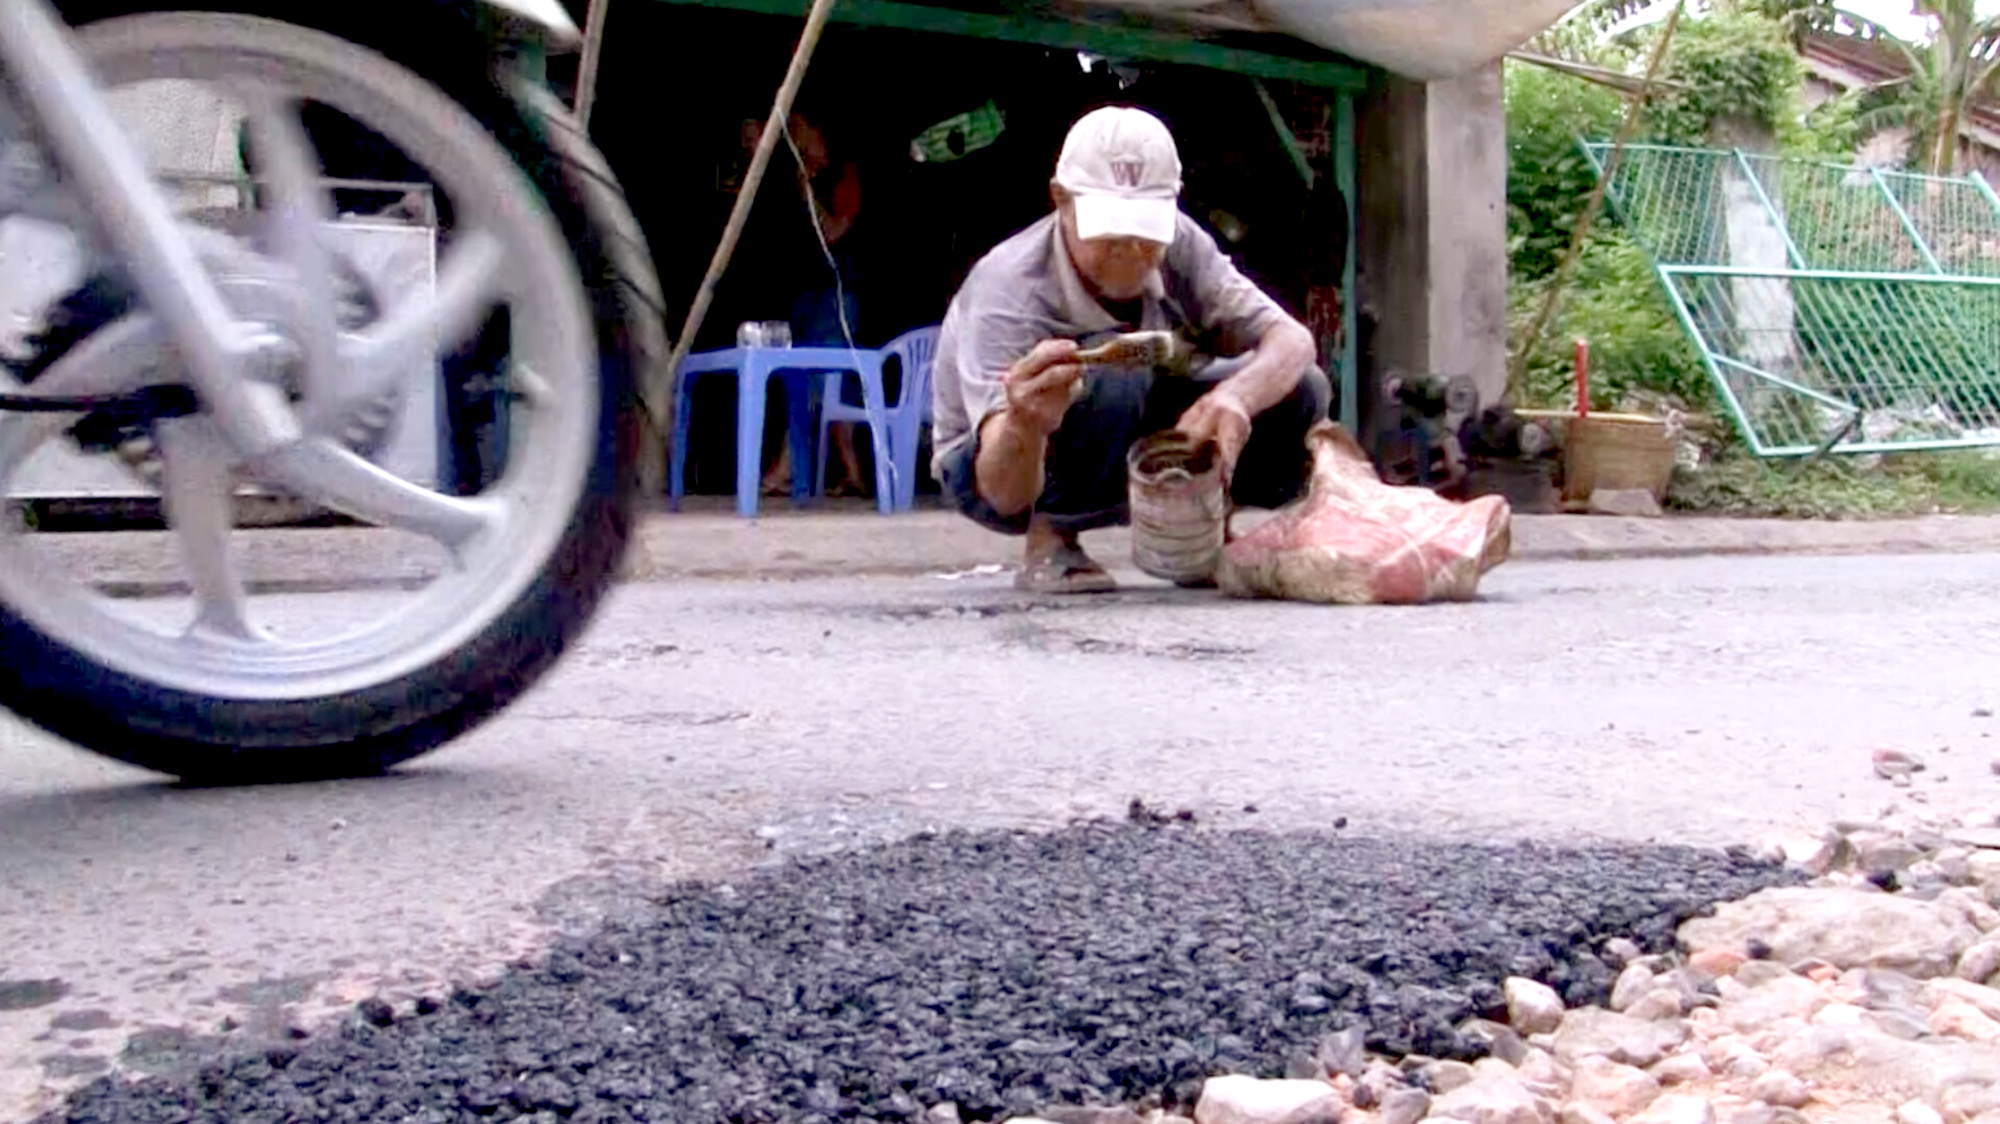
296 211
198 491
417 331
318 471
115 358
467 288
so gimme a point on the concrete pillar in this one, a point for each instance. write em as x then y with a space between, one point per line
1432 230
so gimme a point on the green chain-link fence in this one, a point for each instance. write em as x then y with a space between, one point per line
1838 307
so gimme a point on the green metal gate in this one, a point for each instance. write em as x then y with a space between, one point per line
1838 308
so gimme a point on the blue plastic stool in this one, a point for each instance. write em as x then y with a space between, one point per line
916 349
754 368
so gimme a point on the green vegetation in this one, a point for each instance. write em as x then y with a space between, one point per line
1836 488
1736 81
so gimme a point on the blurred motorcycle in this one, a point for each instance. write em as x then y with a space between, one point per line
217 350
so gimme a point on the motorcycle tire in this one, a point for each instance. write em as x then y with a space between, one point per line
213 738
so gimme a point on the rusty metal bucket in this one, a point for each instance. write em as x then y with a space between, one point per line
1180 508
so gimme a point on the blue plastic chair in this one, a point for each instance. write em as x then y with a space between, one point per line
754 367
916 350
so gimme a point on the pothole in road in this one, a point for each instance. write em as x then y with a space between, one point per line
654 718
160 1049
92 1019
828 831
1018 606
1037 638
903 614
23 995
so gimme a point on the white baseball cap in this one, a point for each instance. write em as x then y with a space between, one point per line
1121 167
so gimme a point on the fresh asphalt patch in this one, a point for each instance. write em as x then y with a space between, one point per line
1001 971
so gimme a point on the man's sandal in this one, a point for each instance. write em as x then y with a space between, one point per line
1067 570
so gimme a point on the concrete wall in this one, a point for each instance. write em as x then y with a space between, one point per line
1432 230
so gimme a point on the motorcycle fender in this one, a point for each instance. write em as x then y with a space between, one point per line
546 15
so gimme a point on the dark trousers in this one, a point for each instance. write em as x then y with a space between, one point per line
1086 482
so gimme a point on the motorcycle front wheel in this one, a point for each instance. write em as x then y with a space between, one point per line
222 678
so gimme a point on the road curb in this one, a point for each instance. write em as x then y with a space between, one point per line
792 546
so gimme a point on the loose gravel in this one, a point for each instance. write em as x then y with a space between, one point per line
1001 971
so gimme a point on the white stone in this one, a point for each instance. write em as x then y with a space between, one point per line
1681 1069
1809 1048
1979 995
1846 928
1880 850
1502 1041
1753 1112
1840 1014
1733 1056
1533 1008
1984 869
1789 997
1659 1003
1917 1112
1592 1031
1494 1100
1813 854
1621 951
1380 1079
1961 1103
1757 973
1959 1018
1404 1106
1446 1076
1633 983
1539 1072
1745 1062
1618 1089
1576 1112
1677 1109
1236 1099
1983 838
1956 862
1980 962
1780 1088
1971 904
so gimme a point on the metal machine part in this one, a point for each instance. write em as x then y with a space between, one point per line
1437 434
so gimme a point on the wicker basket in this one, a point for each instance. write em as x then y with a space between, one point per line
1617 451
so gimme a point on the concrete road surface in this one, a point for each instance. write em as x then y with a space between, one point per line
704 726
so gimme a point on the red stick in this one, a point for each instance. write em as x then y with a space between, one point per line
1582 377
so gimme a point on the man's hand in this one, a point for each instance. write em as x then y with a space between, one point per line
1217 416
1039 387
1013 442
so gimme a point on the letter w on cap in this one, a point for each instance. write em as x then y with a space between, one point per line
1126 173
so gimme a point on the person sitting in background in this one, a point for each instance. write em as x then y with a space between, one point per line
825 312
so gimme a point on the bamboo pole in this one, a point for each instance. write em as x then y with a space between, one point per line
593 53
658 401
1517 372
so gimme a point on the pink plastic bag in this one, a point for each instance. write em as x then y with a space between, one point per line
1354 540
